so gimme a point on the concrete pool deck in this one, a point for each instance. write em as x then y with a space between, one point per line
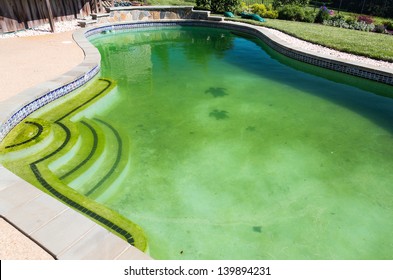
19 71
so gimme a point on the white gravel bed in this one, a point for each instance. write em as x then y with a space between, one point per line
329 52
61 26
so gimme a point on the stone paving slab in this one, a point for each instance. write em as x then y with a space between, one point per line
132 253
63 231
16 194
6 178
98 243
36 213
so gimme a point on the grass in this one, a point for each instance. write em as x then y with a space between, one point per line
373 45
368 44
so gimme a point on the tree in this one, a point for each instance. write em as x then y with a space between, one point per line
218 6
280 3
382 8
364 1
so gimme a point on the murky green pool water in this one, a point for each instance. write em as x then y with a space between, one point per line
236 152
236 155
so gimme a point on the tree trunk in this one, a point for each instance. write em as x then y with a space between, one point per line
339 7
364 1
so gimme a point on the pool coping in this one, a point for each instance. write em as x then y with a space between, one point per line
41 217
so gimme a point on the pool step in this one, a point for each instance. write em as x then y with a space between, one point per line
83 154
95 16
100 170
83 22
113 176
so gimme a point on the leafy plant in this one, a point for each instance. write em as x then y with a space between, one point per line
337 23
380 28
388 24
281 3
291 12
264 11
340 21
362 26
218 6
230 5
122 4
323 14
203 4
309 16
351 20
366 19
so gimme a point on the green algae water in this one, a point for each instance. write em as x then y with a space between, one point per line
236 152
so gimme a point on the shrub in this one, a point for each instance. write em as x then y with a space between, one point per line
338 17
309 16
323 14
366 19
218 6
339 21
351 20
281 3
259 9
242 8
291 12
362 26
388 24
122 4
264 11
380 28
230 5
203 4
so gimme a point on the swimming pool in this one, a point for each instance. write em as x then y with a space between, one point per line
220 148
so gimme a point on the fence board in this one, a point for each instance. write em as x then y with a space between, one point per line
21 14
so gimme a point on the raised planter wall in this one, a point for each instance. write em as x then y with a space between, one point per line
148 13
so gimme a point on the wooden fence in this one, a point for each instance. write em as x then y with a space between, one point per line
22 14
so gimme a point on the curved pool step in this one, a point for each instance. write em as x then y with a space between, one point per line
85 152
47 146
114 176
101 169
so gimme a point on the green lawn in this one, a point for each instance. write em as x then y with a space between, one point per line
374 45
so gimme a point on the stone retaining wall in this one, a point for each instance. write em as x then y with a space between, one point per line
147 13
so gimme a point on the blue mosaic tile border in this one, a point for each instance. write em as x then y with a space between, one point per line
50 96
